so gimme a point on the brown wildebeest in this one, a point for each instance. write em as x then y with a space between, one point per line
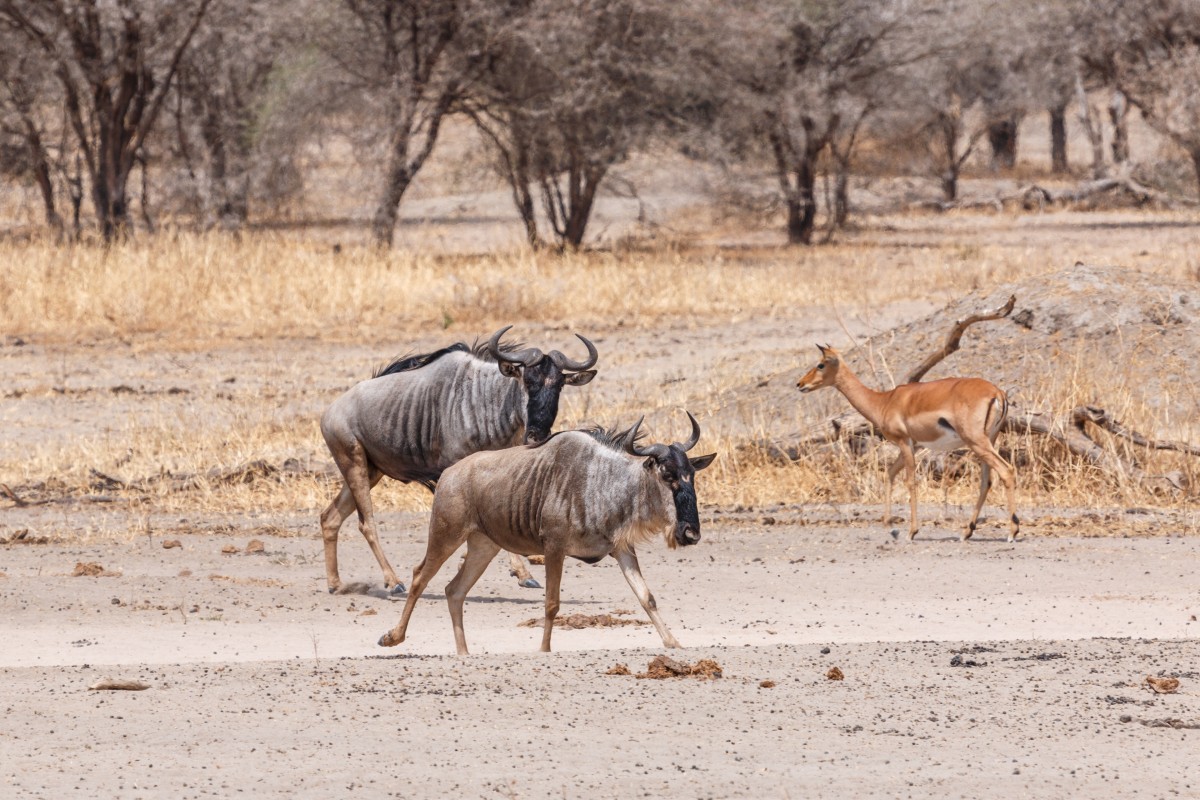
585 494
422 413
945 415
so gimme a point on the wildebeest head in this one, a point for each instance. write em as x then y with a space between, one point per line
823 374
543 375
671 465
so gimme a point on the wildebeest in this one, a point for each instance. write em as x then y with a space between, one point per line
420 414
940 415
585 494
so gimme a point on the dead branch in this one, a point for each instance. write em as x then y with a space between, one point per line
954 338
18 501
1038 197
1102 419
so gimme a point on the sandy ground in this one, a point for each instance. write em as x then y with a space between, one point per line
978 670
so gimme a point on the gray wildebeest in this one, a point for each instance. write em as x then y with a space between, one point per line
586 494
423 413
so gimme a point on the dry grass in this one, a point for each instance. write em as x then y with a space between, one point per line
190 293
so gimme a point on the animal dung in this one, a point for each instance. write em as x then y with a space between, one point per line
114 684
229 549
90 569
171 544
1163 685
618 669
662 667
766 685
255 546
834 674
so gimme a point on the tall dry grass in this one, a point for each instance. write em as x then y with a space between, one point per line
190 292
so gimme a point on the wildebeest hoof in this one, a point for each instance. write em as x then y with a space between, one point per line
398 590
530 583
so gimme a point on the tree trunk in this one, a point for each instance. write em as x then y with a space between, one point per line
41 174
399 176
1058 140
802 204
1118 112
1002 136
1195 154
949 131
841 195
1093 131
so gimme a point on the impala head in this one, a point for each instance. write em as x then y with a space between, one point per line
824 373
671 465
543 375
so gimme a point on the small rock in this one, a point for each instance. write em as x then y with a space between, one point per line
229 549
171 544
824 651
834 674
255 546
1163 685
767 685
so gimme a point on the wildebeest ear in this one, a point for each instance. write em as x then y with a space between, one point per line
701 462
649 463
510 370
580 378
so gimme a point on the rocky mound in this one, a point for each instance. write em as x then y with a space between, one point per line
1103 335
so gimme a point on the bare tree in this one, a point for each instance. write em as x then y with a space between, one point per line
799 82
221 104
571 91
400 67
115 62
26 135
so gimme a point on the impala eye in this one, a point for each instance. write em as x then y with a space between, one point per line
821 365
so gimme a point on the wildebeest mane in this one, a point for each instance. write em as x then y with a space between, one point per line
410 362
611 438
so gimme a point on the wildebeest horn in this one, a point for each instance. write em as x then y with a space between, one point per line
655 450
695 434
575 366
528 357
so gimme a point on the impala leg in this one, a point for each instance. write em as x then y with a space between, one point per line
986 451
910 479
480 552
554 569
985 484
633 576
517 568
892 472
440 548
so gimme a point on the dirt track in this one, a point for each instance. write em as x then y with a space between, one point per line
261 681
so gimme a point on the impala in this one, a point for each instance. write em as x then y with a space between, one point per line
945 415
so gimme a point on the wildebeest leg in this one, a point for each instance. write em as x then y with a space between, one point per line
517 568
440 548
480 552
361 477
633 576
343 505
554 568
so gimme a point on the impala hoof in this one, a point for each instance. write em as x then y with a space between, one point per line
397 591
387 640
530 583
